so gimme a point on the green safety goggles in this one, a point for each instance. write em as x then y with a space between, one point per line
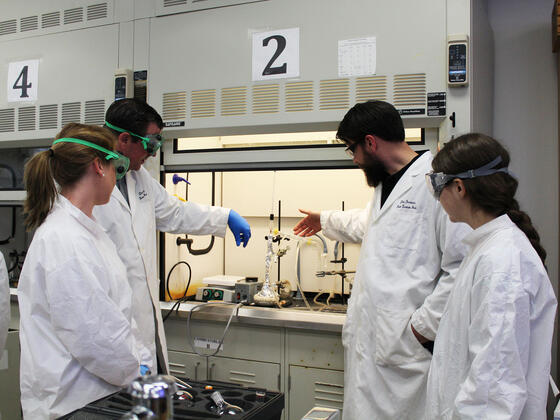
150 142
120 162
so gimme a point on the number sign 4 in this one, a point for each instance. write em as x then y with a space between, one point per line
276 54
22 81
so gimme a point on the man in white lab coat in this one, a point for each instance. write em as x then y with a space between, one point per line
410 252
140 206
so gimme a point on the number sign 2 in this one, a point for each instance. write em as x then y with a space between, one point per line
276 54
22 81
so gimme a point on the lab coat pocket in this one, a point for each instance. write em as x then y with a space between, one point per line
405 231
395 341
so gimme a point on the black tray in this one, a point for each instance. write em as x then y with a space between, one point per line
255 405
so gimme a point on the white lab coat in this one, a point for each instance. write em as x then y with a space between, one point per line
133 230
410 251
76 337
4 303
492 352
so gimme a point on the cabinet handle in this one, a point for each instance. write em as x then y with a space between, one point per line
211 374
196 371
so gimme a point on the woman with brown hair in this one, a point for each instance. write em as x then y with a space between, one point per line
77 340
493 347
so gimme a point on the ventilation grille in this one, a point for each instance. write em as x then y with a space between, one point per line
334 94
48 20
29 23
203 103
48 116
52 19
71 113
97 11
368 88
7 120
330 394
299 96
266 98
234 101
95 112
409 89
8 27
171 3
73 15
174 106
26 118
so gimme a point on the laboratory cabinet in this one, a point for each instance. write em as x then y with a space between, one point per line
9 379
315 362
256 343
244 372
311 387
306 365
187 365
225 369
248 356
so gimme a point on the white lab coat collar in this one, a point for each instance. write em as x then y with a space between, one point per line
131 178
117 194
405 183
89 223
486 230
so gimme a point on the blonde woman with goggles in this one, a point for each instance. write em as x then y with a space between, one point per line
76 332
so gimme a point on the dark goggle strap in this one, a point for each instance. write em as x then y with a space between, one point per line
482 171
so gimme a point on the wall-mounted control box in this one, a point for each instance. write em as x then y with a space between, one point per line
457 60
124 84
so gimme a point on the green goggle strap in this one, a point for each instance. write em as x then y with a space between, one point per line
145 140
110 154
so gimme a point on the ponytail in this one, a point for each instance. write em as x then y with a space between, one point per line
523 222
41 189
63 164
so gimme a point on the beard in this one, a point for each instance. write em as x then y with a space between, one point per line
374 171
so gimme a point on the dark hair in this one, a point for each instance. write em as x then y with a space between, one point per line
494 193
64 163
372 117
132 114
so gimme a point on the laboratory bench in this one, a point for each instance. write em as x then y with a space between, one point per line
290 350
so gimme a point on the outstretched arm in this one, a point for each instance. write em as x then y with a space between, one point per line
309 225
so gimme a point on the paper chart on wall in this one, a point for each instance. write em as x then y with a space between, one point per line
357 57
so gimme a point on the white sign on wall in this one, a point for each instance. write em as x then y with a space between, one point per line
23 79
276 54
357 57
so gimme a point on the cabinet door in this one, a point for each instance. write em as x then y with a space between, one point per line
187 365
310 387
243 372
9 379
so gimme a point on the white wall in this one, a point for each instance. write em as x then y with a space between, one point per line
526 112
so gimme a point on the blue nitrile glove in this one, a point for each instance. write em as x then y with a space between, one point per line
144 369
239 227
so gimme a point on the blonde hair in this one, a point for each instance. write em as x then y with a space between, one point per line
64 163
